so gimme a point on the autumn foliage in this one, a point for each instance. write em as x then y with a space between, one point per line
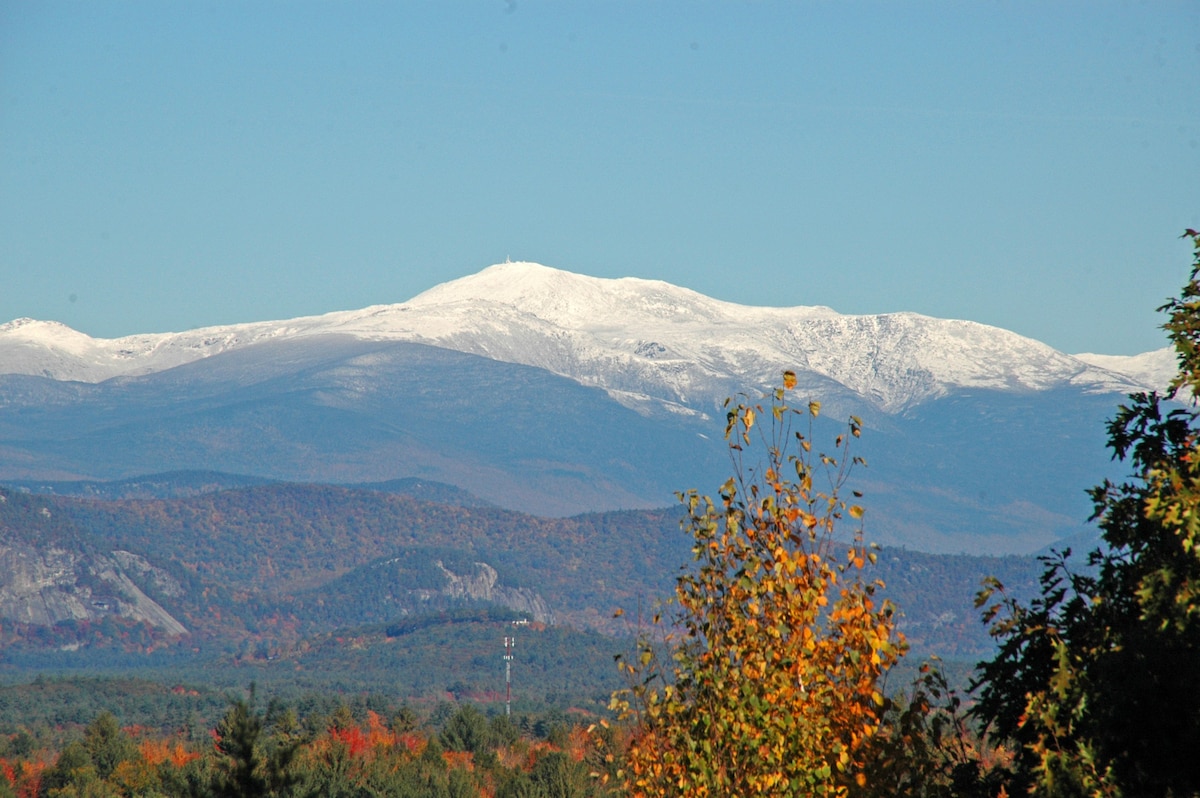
778 645
249 755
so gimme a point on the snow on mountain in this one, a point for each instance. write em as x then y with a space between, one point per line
682 346
1150 369
54 350
651 344
51 349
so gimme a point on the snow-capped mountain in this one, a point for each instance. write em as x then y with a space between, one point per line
555 393
651 345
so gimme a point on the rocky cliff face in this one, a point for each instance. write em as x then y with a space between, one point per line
46 585
481 585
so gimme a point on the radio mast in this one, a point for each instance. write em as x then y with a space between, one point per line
510 645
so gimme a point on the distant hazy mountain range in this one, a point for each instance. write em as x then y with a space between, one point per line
555 393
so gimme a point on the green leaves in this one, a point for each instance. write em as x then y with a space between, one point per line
1088 679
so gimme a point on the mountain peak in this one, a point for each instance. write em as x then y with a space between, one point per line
581 302
25 342
533 287
36 330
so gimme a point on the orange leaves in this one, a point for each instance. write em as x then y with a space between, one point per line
156 752
460 760
29 780
774 686
353 738
377 732
411 742
579 742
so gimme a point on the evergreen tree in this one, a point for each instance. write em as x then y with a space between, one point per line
107 744
251 768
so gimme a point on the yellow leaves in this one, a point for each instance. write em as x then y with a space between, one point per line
774 686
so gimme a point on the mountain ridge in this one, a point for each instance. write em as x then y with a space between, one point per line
537 390
313 558
653 346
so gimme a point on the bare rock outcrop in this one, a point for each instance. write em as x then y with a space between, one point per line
43 586
482 585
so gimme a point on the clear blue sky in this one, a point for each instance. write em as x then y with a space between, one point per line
169 165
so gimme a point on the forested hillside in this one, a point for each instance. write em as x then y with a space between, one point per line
260 568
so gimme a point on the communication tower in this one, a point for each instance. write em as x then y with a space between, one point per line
510 645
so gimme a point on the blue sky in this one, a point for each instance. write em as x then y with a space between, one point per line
165 166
